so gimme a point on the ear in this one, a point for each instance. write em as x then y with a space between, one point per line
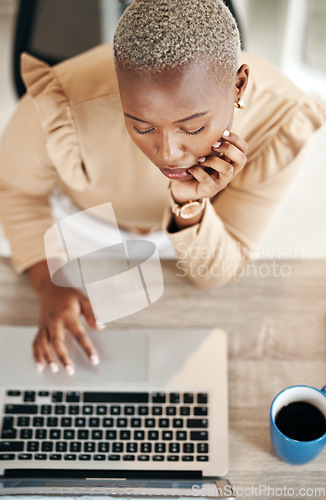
241 81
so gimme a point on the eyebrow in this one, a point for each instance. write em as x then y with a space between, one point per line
191 117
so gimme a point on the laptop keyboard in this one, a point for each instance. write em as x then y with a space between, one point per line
100 426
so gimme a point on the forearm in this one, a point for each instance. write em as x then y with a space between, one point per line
178 223
208 255
25 220
40 277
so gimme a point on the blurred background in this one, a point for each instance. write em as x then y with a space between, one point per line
289 33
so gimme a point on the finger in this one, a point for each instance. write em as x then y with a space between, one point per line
57 338
80 335
209 183
47 353
222 167
87 312
204 177
37 353
236 140
231 152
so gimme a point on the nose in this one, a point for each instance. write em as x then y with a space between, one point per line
169 150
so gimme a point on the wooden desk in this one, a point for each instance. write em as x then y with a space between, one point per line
275 318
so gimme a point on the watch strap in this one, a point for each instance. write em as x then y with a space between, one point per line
187 209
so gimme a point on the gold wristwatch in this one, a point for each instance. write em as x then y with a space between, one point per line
188 209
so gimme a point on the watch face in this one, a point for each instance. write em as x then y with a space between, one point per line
190 210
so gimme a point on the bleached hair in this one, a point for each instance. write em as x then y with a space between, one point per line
156 35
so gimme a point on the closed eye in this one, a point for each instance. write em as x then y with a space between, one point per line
142 132
195 131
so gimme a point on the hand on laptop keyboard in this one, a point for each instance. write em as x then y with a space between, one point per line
60 311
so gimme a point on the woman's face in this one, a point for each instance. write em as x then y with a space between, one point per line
176 116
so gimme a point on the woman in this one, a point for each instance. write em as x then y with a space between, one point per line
158 131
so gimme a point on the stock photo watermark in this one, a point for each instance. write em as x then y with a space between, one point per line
235 261
256 491
129 277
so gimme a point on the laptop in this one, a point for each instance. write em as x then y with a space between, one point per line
150 420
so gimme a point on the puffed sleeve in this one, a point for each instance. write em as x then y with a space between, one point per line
38 151
217 250
26 179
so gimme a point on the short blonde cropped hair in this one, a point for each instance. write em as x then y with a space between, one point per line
155 35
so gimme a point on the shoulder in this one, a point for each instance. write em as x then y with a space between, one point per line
267 77
277 121
83 77
272 101
58 91
89 75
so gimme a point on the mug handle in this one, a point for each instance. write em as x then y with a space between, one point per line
324 390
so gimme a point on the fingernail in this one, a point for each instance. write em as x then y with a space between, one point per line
94 359
216 144
39 367
54 367
201 159
226 133
70 370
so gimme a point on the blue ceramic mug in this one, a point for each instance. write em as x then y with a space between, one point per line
292 450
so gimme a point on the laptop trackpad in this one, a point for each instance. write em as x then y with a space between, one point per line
123 355
123 358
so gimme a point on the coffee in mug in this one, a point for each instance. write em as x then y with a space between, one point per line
301 421
298 423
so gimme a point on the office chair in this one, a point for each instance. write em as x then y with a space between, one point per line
46 29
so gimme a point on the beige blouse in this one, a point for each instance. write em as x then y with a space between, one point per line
68 131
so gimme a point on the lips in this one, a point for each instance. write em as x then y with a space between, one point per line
177 173
183 173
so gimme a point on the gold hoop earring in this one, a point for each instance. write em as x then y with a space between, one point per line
239 104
